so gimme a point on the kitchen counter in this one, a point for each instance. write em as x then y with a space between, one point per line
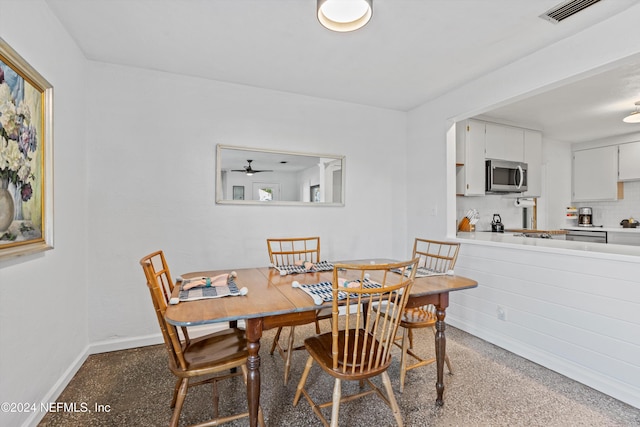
618 229
516 240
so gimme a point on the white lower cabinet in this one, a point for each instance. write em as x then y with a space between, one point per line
622 238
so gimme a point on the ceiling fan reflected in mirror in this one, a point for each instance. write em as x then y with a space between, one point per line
249 170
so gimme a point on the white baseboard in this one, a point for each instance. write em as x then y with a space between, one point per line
153 339
104 347
124 343
58 388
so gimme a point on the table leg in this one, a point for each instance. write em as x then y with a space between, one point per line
441 345
254 333
233 324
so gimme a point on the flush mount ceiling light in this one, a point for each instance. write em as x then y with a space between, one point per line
633 117
344 15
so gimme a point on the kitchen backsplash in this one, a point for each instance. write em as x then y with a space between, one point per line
492 204
608 214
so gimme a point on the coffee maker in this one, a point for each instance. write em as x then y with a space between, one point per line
585 217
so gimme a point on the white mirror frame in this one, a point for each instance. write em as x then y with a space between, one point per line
254 152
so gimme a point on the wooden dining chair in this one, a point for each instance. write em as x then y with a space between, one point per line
362 349
207 359
437 257
288 251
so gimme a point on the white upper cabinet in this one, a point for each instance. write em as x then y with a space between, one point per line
470 139
477 141
595 174
629 161
504 142
533 159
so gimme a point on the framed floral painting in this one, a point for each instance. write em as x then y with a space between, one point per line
26 143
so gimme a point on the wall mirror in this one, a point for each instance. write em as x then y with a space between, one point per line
256 176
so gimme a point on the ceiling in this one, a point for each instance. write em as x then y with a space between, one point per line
585 110
411 52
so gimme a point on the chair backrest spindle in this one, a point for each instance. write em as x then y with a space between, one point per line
286 251
436 256
370 335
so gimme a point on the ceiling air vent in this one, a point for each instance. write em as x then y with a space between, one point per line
566 9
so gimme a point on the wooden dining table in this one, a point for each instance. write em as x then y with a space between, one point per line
271 301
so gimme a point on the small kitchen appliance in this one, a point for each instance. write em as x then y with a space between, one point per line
585 217
502 176
629 223
496 225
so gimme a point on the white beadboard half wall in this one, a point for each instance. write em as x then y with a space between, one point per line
573 312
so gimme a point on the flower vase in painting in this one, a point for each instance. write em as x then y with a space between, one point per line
18 145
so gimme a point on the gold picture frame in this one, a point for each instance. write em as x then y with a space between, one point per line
26 163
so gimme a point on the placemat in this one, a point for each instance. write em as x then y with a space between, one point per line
295 269
324 290
203 292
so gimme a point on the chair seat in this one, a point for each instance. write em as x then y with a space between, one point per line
319 347
418 317
227 347
414 317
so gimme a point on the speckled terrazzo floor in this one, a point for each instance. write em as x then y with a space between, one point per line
490 387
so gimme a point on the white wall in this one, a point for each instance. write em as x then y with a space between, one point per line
608 343
151 171
43 297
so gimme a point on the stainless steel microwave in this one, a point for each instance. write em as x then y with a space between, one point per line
503 176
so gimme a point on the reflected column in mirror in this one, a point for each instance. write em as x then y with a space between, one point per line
258 176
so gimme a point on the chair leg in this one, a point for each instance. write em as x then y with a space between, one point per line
175 392
317 327
287 361
392 399
335 408
403 358
448 362
410 338
216 399
275 340
303 380
182 393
